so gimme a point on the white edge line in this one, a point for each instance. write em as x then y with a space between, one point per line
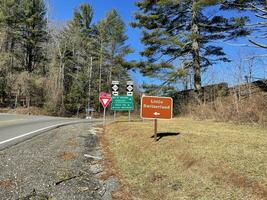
39 130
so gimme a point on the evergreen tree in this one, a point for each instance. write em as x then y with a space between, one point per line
92 55
69 61
77 59
112 49
23 32
259 7
181 33
116 47
9 10
32 33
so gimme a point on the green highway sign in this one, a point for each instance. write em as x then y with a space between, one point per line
122 103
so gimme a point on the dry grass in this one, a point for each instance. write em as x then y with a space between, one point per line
66 156
22 110
251 109
206 160
7 184
122 193
72 143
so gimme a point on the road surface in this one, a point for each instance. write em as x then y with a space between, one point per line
64 163
16 128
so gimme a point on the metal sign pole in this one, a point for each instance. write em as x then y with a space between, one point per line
104 120
129 116
114 117
155 128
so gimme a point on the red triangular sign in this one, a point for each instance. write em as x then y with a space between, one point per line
105 99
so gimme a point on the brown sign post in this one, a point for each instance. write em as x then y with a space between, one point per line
156 108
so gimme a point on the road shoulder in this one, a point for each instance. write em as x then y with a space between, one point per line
65 163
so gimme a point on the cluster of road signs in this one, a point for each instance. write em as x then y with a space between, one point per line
151 107
120 102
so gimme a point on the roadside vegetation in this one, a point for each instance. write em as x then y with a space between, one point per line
184 39
251 109
217 147
191 159
58 66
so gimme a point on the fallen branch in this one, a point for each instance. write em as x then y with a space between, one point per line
69 178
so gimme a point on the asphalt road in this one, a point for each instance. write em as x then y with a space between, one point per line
16 128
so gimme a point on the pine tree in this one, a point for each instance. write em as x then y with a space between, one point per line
117 48
79 51
181 33
112 49
259 7
32 33
9 10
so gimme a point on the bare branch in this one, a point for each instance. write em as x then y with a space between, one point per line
258 44
255 56
261 16
259 9
236 45
258 24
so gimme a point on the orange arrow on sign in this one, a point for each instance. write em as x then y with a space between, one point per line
156 107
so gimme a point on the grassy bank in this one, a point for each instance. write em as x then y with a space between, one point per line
191 160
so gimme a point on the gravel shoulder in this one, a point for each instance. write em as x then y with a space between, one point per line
65 163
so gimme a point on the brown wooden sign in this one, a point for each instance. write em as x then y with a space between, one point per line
156 107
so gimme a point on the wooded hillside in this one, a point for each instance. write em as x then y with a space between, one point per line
61 67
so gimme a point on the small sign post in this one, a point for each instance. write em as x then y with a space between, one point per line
89 111
129 90
115 86
105 99
155 129
156 108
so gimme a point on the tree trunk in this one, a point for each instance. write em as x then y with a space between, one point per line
89 87
29 60
16 99
100 67
28 99
62 107
61 77
195 48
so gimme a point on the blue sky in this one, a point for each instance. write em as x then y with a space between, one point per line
62 11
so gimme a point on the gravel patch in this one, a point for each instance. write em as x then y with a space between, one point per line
62 164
